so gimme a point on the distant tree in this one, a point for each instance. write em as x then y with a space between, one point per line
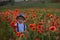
56 1
4 2
12 2
26 0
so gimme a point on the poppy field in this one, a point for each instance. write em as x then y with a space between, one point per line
42 24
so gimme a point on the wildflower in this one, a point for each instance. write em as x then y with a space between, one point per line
52 28
22 35
26 17
37 39
40 27
40 23
14 30
13 25
51 16
34 29
39 31
18 34
32 25
31 9
17 10
57 17
48 15
34 16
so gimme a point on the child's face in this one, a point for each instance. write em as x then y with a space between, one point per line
20 20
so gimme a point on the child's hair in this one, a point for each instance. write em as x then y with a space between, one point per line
20 15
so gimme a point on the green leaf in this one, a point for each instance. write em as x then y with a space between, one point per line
3 22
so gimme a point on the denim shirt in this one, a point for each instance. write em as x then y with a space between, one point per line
21 27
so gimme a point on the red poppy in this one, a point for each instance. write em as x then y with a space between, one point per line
25 13
14 30
17 10
57 17
34 16
13 25
7 13
59 26
22 35
3 19
40 27
15 15
48 15
40 23
34 29
54 23
37 39
31 9
39 31
26 17
32 25
26 20
51 16
53 28
18 34
9 20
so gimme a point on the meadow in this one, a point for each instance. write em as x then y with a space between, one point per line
42 23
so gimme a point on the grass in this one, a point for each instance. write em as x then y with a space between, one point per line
26 5
35 4
25 8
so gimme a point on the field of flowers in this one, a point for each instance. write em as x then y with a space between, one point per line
42 24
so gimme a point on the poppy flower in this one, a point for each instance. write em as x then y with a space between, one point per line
34 16
3 19
34 29
13 25
9 20
26 20
37 39
52 28
40 27
59 26
51 16
54 23
18 34
7 13
14 30
48 15
31 9
32 25
17 10
26 17
39 31
22 35
57 17
40 23
25 13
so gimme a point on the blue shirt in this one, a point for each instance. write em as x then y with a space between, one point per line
21 27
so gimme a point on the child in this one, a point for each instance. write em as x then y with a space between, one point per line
21 27
20 23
